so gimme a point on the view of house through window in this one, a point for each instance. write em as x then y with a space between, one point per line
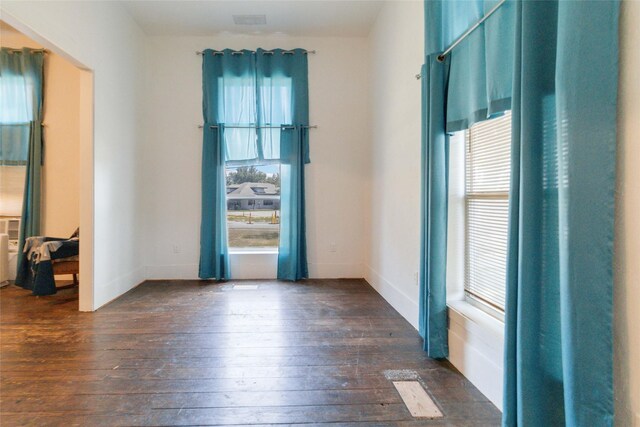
253 206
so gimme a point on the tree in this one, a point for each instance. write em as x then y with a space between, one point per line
274 179
246 174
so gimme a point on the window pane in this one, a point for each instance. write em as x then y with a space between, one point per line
16 99
275 110
11 190
237 107
487 221
253 206
488 156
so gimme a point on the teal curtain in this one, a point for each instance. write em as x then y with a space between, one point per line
227 78
21 99
435 177
229 97
259 103
558 342
480 84
21 80
473 83
481 70
214 252
283 100
292 249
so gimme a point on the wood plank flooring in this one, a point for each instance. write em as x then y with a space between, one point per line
202 353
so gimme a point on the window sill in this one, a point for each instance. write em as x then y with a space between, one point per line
253 251
463 311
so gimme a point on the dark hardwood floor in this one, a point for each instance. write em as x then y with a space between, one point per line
198 353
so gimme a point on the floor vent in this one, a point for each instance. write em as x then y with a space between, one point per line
417 400
401 375
244 287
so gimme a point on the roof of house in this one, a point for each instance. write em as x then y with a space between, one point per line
252 190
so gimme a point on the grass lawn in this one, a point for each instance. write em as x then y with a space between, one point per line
256 216
247 238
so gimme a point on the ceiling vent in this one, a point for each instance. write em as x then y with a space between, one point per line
250 19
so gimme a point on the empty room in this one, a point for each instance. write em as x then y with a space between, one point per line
310 212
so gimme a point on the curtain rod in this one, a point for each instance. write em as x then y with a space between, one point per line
266 52
262 127
469 31
12 50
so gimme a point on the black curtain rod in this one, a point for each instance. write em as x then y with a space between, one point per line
263 127
12 50
266 52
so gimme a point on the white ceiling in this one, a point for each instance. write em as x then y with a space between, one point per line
296 18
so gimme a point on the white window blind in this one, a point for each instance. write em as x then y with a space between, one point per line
487 176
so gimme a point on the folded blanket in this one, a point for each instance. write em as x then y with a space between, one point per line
35 271
38 249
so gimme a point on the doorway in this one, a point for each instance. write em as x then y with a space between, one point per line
66 200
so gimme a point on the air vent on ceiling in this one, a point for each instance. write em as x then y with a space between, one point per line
250 19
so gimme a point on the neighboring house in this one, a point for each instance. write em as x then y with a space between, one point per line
253 196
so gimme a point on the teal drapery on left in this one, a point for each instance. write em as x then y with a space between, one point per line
225 79
435 177
229 97
214 252
21 80
559 333
21 99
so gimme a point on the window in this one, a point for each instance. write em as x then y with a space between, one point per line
253 206
487 177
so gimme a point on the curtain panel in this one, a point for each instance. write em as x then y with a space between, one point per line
473 83
555 63
214 252
434 211
21 101
559 340
481 70
21 80
283 99
260 99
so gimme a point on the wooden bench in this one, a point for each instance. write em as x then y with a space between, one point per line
67 267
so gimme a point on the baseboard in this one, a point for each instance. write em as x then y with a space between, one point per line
406 306
172 272
335 271
253 266
107 292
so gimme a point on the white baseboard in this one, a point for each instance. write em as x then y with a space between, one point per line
475 343
335 271
406 306
106 292
253 266
172 272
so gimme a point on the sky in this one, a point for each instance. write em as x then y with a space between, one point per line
268 169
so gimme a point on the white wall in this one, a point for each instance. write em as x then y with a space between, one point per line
393 220
102 37
335 179
60 210
627 244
